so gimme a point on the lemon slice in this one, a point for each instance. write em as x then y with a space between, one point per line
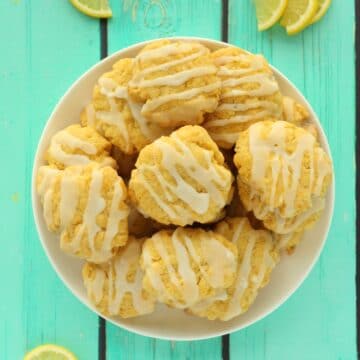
298 15
323 8
268 12
50 352
93 8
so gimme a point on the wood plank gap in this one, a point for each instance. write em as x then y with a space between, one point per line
357 69
102 339
225 340
225 21
225 347
102 322
103 38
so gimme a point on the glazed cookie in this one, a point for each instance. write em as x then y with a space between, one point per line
282 171
115 288
249 94
181 179
115 115
187 265
76 145
177 82
256 260
86 204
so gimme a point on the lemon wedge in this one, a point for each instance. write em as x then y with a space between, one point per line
268 12
323 8
93 8
298 15
50 352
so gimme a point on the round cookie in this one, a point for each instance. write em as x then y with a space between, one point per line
86 204
256 260
115 115
282 171
177 82
115 288
181 179
249 94
187 265
76 145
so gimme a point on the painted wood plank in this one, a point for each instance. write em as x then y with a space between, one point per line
318 322
140 21
45 47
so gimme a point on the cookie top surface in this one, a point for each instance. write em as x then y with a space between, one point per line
187 265
115 115
249 94
86 206
177 82
181 179
257 257
76 145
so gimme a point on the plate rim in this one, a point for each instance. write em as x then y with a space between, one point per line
73 290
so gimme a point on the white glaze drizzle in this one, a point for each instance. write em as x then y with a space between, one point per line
284 167
69 197
142 80
64 138
95 205
184 278
288 109
241 282
118 284
253 72
179 78
153 104
45 190
112 91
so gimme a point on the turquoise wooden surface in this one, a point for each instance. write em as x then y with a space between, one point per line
46 46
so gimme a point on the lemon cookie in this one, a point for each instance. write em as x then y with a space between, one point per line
115 115
249 94
115 288
283 174
181 179
177 81
256 260
187 265
76 145
86 204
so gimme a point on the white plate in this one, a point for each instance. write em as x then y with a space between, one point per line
167 323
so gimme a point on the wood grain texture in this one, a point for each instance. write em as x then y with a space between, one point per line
318 322
139 21
45 47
